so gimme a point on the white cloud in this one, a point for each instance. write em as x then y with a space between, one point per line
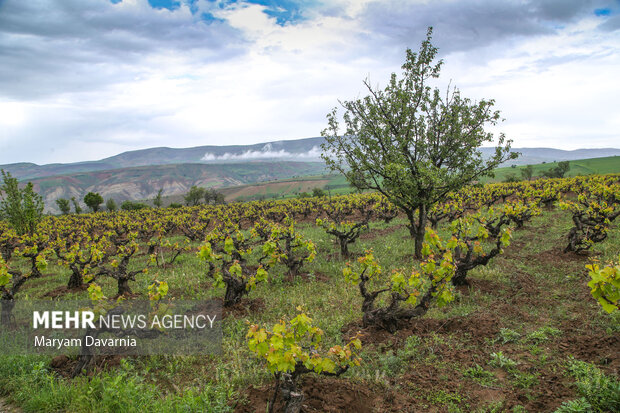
554 90
266 152
87 79
12 114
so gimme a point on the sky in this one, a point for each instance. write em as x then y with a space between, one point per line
87 79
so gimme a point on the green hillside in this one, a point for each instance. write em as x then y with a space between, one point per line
143 182
337 184
278 189
608 165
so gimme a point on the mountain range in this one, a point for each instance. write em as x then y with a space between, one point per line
140 174
305 150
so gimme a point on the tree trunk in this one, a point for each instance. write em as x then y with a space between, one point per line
460 277
389 318
272 403
123 286
412 225
417 227
75 281
86 358
344 247
291 395
7 310
294 403
235 289
420 231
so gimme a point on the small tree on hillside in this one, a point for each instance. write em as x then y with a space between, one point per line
110 205
410 142
527 172
93 200
194 196
158 201
22 208
76 205
558 171
318 192
63 205
213 197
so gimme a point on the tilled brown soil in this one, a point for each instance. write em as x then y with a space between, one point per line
321 395
244 307
60 292
6 407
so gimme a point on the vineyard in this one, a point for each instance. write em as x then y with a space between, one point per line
512 306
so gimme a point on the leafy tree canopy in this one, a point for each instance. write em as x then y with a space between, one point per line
63 205
412 142
93 200
558 171
194 196
22 208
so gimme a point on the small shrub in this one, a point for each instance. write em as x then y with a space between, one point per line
411 292
605 285
507 335
500 360
291 349
480 375
524 380
602 392
22 208
543 334
575 406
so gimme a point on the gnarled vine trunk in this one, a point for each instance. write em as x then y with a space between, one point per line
417 227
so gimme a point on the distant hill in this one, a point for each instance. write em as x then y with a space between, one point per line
144 182
337 184
300 150
531 156
139 174
607 165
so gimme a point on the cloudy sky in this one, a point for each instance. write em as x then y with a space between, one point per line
87 79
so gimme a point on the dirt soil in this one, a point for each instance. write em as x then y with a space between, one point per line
378 233
62 291
5 407
322 394
244 307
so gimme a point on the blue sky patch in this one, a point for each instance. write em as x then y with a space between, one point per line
602 12
165 4
284 11
210 18
193 6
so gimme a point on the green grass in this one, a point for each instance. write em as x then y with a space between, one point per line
336 185
607 165
599 392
